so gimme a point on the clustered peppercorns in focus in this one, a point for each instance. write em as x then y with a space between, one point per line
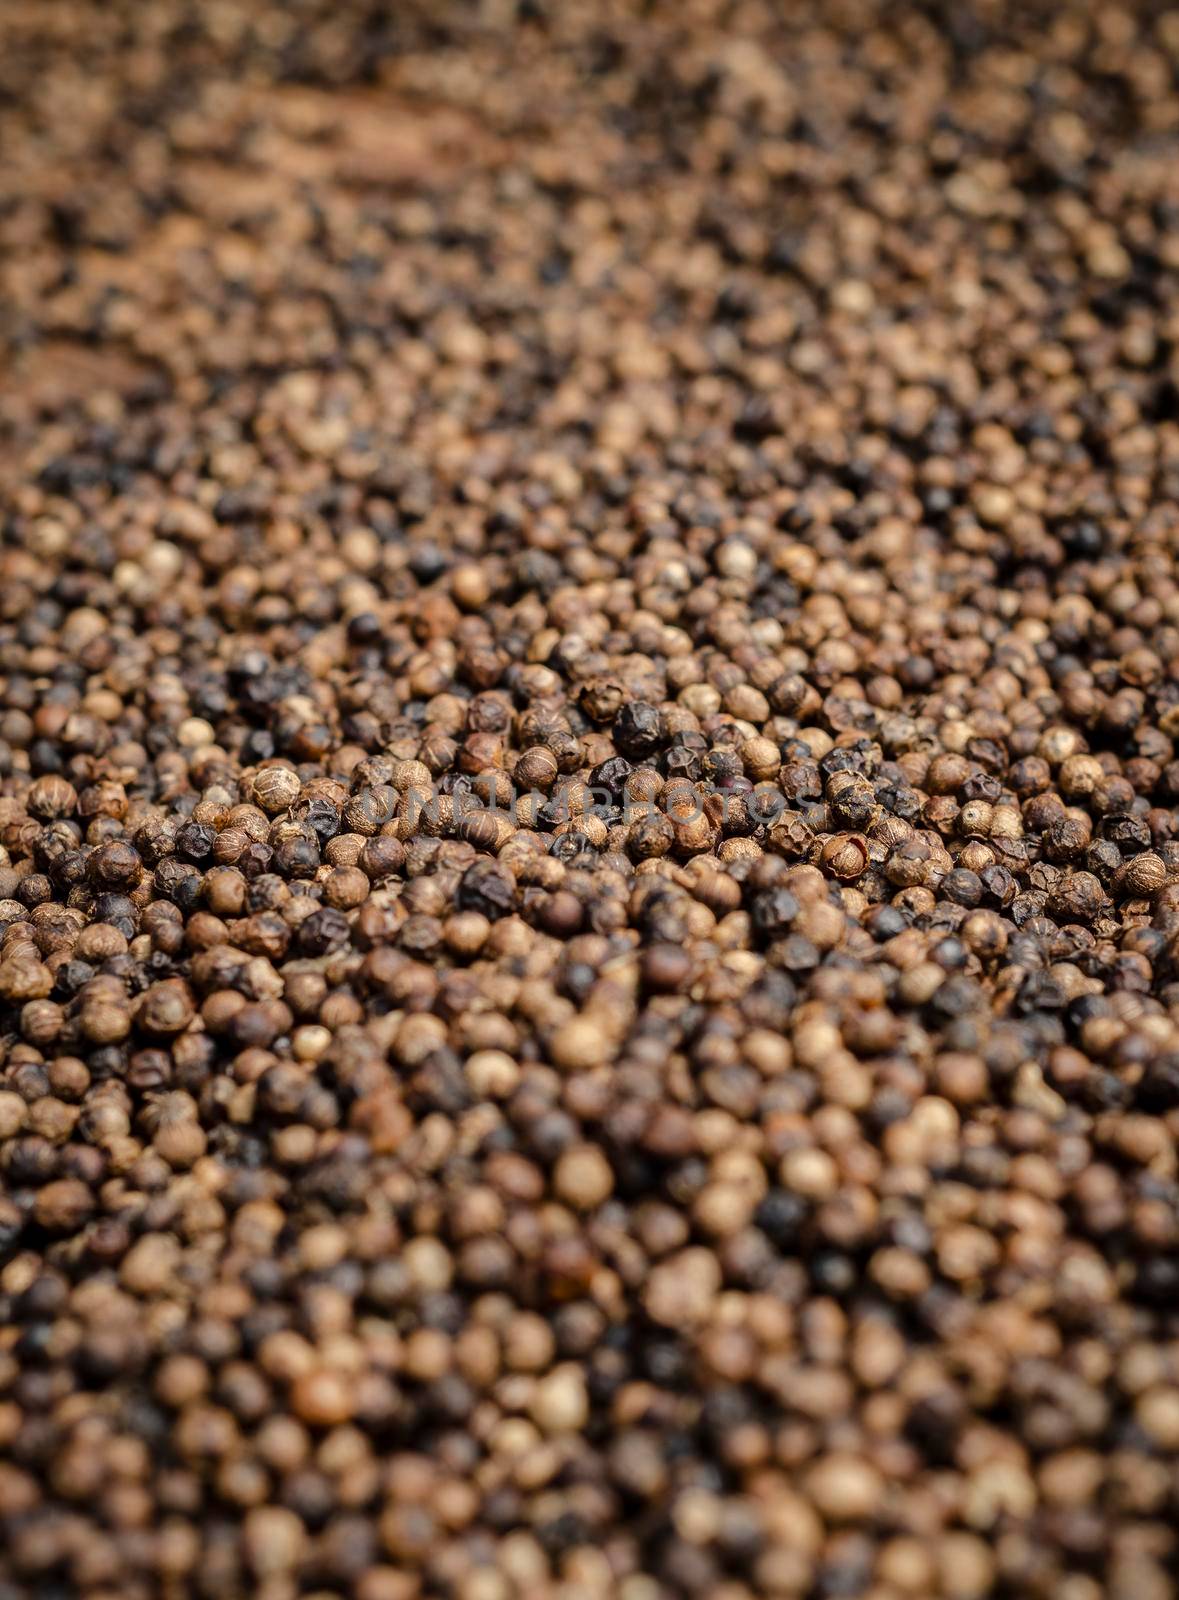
410 410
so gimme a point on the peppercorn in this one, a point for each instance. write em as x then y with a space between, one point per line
845 856
638 729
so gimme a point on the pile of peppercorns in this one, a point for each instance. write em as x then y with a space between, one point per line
589 804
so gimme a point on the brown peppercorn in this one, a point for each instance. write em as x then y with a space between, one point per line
583 1177
166 1008
276 789
844 1487
560 914
681 1291
346 888
62 1206
666 968
1142 876
486 830
322 1398
51 797
537 768
845 856
381 857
